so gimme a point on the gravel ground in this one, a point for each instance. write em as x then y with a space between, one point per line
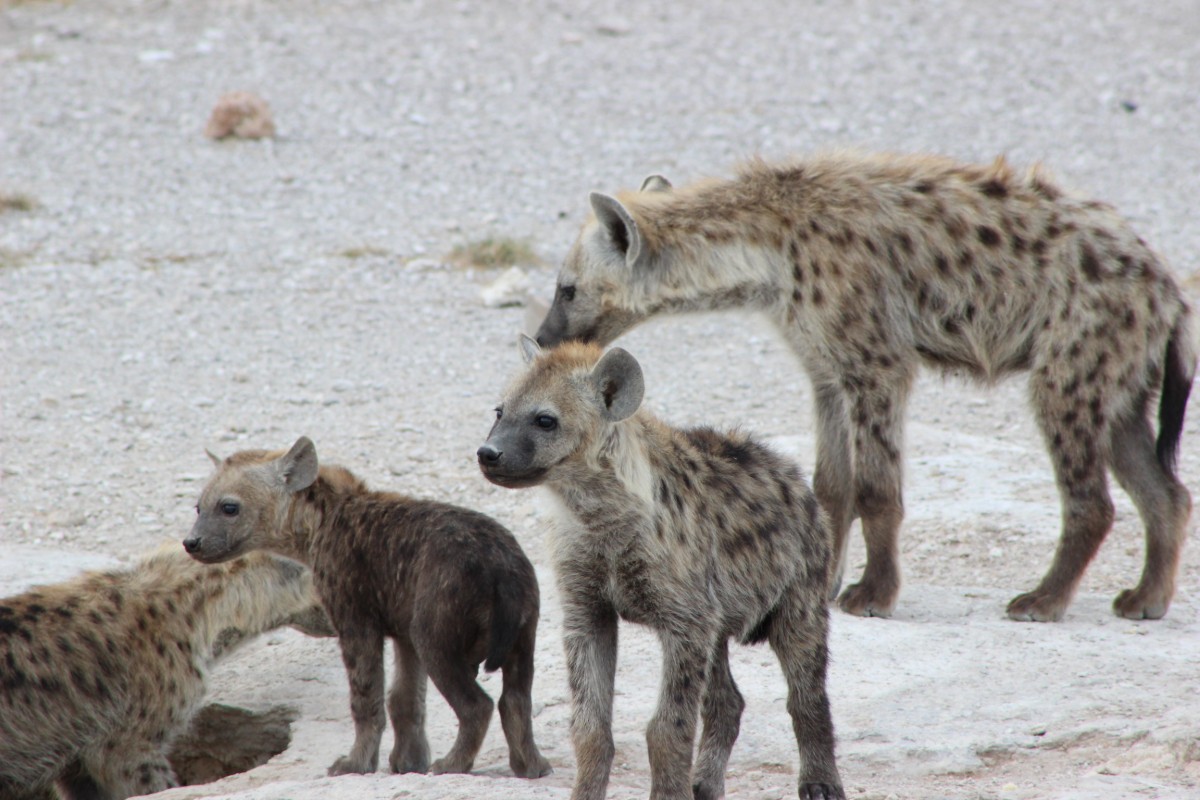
169 293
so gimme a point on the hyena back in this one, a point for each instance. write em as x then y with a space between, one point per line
449 586
98 675
874 265
699 535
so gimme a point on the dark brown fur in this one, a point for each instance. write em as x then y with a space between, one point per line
450 587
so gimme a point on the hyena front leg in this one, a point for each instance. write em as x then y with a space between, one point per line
722 715
671 733
833 477
362 653
1073 427
798 634
124 768
590 641
1164 506
876 408
406 707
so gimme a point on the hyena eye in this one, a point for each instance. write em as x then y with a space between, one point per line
499 413
546 422
230 509
567 292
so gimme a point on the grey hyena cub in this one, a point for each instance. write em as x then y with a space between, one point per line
873 265
98 675
450 587
698 534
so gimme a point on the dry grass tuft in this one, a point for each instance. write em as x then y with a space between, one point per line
491 253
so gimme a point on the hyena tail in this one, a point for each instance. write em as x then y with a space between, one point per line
506 624
1178 371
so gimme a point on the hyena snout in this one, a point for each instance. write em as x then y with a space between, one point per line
510 467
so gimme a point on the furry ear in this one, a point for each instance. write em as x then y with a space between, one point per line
530 349
656 183
620 226
298 468
216 459
617 378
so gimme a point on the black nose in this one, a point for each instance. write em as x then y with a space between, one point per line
191 544
488 454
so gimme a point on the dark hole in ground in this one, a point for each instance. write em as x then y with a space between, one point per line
224 740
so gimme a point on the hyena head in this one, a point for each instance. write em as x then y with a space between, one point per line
244 505
596 299
555 414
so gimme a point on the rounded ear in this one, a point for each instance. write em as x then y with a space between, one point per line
530 349
617 378
620 226
213 457
298 467
656 183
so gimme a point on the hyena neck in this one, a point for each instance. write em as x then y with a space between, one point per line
706 263
311 514
610 487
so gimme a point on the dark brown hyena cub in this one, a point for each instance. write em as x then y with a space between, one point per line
450 587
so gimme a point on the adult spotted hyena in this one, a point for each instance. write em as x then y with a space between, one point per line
872 265
98 675
700 535
450 587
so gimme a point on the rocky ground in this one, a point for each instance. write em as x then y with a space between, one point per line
161 292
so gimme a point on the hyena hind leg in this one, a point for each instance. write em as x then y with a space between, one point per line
406 707
1087 508
721 711
1163 505
456 681
516 709
799 635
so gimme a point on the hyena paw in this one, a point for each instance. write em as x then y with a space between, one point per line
1141 603
413 758
537 767
1037 606
449 766
867 600
821 791
347 766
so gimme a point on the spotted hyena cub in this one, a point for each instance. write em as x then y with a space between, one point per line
450 587
873 265
700 535
98 675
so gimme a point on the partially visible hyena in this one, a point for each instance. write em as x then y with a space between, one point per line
99 674
700 535
450 587
872 265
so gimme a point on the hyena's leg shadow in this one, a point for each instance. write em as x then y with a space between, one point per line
722 714
590 642
798 634
1164 506
876 404
1074 427
362 653
406 707
833 477
516 707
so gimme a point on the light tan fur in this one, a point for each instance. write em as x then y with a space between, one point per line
99 674
873 265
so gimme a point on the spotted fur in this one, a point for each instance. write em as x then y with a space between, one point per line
874 265
98 675
701 535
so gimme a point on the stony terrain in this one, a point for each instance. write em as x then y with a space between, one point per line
167 293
